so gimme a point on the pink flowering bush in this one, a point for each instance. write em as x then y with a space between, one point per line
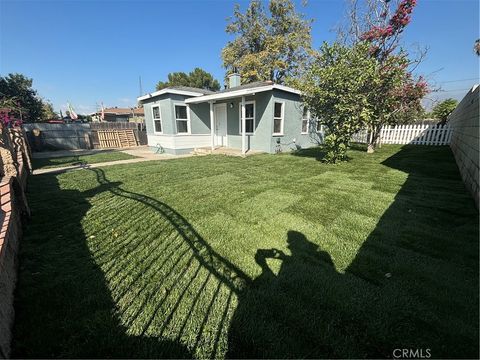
399 93
385 37
8 120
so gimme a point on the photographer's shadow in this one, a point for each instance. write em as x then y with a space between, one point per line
273 304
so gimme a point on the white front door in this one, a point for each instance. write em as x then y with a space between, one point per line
221 125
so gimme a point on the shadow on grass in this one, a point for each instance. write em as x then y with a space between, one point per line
84 314
318 152
74 158
412 285
40 163
169 294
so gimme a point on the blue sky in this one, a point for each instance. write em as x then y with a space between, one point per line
87 52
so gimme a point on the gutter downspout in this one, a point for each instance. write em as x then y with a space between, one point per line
244 139
212 123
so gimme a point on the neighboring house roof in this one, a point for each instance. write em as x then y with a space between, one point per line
122 111
180 90
242 90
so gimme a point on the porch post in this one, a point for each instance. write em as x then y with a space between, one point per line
212 129
244 138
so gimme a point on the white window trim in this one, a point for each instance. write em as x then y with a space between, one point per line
189 130
308 123
240 117
282 117
161 121
316 126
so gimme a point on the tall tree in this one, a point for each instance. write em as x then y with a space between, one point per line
201 79
198 78
47 111
19 87
336 89
267 47
443 109
381 23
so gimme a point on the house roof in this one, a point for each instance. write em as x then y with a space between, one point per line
181 90
242 90
252 85
122 111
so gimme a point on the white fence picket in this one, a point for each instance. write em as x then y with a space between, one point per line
410 134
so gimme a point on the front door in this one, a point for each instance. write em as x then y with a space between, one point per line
221 125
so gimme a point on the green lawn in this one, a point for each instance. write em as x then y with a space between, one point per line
54 162
270 256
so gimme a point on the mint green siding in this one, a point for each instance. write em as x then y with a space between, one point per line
263 122
263 138
164 102
292 124
200 118
199 114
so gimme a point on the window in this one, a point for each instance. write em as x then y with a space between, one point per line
157 120
305 120
181 117
278 118
249 117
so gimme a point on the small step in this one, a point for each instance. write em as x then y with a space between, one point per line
201 151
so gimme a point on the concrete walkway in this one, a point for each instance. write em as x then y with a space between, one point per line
142 153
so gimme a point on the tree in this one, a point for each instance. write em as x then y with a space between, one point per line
274 47
443 109
476 47
198 78
18 87
201 79
336 89
47 111
398 93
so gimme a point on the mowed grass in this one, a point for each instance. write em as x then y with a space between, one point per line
274 256
53 162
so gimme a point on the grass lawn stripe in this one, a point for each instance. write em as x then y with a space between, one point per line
269 256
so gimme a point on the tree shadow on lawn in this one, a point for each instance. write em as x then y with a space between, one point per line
318 152
68 306
411 285
70 160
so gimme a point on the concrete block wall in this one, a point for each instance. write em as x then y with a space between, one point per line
465 140
15 165
10 233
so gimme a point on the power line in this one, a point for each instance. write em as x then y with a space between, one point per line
450 81
453 90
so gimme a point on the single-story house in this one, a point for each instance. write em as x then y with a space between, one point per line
260 116
116 114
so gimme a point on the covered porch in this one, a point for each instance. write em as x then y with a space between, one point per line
222 118
234 115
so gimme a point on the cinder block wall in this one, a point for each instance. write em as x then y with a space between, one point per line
465 139
14 167
9 238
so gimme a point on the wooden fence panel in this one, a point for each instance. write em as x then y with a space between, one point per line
116 138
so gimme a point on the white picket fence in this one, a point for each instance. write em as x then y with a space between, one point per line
411 134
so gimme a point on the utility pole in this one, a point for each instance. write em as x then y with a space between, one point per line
140 86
